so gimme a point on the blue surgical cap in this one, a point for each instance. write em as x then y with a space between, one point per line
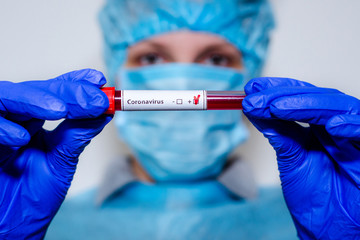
244 23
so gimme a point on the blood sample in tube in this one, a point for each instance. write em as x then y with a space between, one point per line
224 100
172 100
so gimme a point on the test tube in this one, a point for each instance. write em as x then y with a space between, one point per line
172 100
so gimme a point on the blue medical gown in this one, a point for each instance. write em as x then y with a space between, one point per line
204 210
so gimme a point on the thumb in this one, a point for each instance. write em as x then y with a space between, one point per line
68 141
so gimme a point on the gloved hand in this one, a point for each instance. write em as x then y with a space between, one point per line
320 164
37 166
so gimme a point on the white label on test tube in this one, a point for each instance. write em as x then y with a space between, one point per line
135 100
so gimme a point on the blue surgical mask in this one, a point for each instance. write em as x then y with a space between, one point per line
181 145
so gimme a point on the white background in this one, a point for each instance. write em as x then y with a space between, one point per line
315 41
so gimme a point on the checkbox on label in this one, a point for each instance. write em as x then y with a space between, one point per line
179 101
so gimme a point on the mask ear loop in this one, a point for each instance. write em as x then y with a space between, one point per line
116 67
118 78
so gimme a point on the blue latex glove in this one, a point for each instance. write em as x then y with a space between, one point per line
319 165
37 166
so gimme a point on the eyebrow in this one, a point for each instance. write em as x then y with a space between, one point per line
158 47
218 47
163 47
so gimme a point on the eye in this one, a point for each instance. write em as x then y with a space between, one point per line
150 59
217 60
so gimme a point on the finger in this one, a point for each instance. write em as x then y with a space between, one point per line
30 101
341 142
291 143
83 100
287 138
258 104
89 75
259 84
314 108
33 126
69 139
17 117
345 126
80 91
12 134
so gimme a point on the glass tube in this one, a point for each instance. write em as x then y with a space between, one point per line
172 100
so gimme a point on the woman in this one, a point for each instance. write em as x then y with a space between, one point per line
181 181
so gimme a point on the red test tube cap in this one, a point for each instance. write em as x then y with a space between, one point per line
110 93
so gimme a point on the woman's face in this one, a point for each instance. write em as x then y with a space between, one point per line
184 47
